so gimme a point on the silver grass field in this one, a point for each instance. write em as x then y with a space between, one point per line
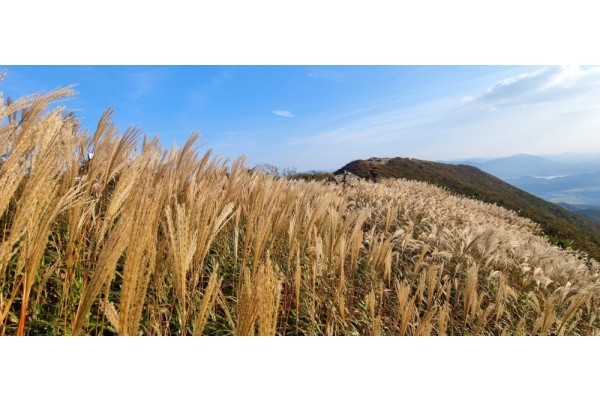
142 240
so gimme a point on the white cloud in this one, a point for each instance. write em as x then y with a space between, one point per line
222 77
544 85
283 113
145 82
325 74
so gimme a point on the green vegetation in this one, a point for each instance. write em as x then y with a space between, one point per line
586 211
565 227
313 176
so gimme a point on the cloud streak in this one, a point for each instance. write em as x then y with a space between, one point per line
222 77
325 74
145 82
544 85
283 113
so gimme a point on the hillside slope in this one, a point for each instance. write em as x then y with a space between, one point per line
562 226
585 210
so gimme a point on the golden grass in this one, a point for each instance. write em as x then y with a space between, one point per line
169 242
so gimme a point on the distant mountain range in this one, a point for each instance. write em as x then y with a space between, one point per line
568 178
547 167
562 226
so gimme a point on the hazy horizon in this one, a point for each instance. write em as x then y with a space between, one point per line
321 117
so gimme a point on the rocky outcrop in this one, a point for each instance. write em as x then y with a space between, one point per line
345 178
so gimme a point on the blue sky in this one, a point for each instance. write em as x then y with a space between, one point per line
321 117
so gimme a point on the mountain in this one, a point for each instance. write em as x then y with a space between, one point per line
571 189
585 210
562 226
590 213
522 165
566 178
580 161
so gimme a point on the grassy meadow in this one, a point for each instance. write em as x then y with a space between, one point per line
142 240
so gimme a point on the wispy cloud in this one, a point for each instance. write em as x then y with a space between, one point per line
325 74
145 82
544 85
222 77
283 113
